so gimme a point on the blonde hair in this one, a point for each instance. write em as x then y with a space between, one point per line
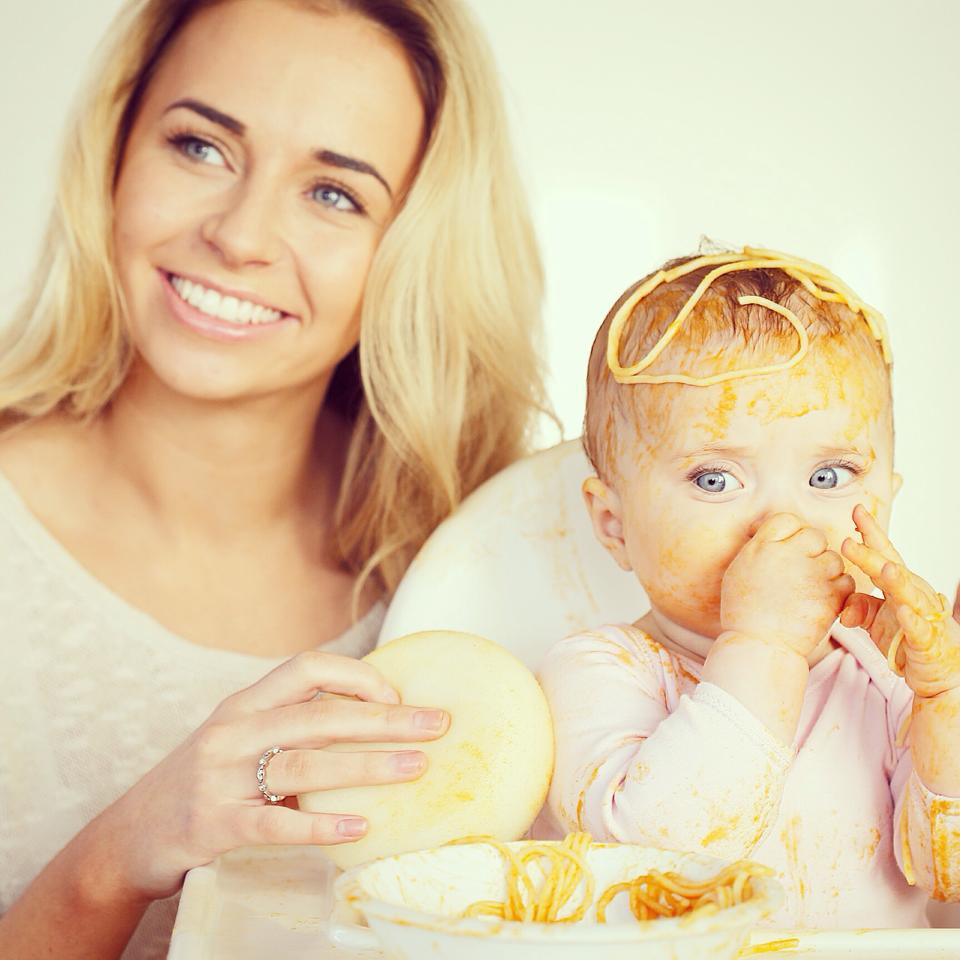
443 388
718 325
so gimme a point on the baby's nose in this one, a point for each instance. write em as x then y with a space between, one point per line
762 518
757 523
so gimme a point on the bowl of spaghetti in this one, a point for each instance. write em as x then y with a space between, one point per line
479 898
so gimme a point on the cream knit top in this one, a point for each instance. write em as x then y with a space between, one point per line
93 693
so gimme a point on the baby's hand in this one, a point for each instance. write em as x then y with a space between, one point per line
785 584
911 624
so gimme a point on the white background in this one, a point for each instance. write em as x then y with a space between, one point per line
829 129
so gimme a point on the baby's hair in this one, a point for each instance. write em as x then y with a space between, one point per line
719 325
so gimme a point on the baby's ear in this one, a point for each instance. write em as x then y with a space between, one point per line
897 483
606 515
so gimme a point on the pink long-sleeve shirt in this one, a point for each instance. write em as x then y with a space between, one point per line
646 753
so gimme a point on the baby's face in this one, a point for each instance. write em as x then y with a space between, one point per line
813 441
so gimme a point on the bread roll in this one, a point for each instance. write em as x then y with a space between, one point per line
488 774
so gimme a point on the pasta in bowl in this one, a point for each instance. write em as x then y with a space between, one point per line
479 898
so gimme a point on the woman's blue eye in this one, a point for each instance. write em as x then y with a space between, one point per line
196 149
334 198
717 481
830 478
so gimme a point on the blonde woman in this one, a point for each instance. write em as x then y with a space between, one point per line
284 321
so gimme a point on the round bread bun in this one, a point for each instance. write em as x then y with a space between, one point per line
488 774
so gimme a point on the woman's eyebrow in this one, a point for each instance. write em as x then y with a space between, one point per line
212 114
334 159
329 157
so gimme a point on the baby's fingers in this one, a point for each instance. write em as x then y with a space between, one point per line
873 534
905 587
869 560
860 610
956 605
918 632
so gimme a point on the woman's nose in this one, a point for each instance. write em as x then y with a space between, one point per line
244 228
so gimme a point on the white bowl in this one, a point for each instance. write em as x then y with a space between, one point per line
413 903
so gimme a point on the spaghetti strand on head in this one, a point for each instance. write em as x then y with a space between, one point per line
816 279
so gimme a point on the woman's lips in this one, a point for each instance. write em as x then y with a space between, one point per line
212 317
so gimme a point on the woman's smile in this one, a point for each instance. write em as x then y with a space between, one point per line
258 201
221 315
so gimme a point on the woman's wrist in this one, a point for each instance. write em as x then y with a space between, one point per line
80 907
98 867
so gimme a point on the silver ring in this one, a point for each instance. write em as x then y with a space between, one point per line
268 755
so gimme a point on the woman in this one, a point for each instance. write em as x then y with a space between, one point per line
285 320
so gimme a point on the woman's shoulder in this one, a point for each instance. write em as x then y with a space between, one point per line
48 444
42 459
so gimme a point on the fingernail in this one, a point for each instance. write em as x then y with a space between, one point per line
411 761
352 827
429 719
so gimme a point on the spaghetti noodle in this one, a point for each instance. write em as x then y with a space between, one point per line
816 279
563 870
528 901
655 894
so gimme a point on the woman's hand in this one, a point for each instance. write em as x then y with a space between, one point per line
203 799
785 585
911 613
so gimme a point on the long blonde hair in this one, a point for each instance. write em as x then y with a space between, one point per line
444 386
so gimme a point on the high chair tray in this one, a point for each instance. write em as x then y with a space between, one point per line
276 901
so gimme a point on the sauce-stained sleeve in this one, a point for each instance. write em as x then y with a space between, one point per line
636 762
926 824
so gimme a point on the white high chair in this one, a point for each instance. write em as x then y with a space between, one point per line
517 563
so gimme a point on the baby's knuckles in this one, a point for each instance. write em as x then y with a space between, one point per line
774 590
935 671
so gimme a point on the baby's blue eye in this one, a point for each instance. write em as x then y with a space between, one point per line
830 478
717 481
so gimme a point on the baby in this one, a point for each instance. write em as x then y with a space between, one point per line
745 474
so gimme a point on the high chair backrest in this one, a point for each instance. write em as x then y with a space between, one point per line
518 563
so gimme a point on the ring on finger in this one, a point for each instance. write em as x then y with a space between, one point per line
262 765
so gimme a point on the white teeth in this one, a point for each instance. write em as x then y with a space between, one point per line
210 303
226 308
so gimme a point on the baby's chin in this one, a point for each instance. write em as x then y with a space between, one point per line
703 621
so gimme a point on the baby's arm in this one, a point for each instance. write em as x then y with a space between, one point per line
927 782
636 762
705 772
779 598
929 650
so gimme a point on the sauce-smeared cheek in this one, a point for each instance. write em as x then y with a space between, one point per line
689 565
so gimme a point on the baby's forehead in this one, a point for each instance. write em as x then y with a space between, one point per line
832 398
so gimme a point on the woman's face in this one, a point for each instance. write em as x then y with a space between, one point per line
270 152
